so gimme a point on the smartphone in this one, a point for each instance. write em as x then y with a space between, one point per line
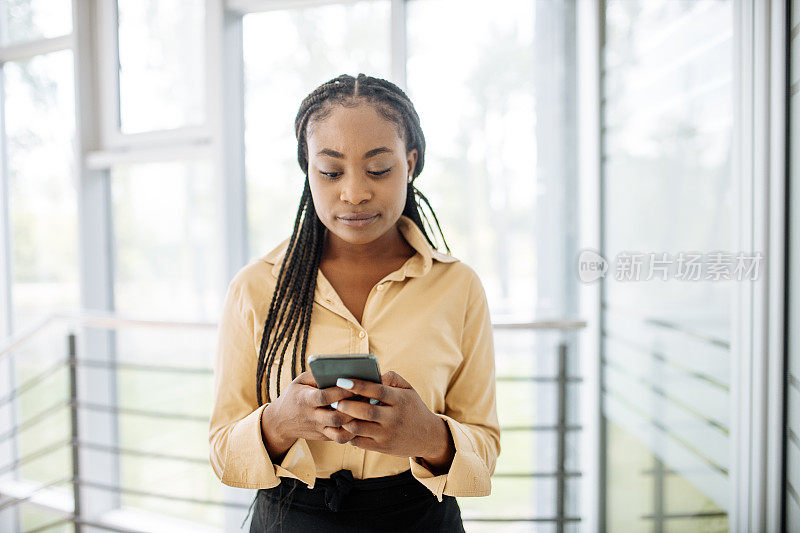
327 368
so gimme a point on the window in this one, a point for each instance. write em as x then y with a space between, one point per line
167 239
668 110
27 20
161 64
39 130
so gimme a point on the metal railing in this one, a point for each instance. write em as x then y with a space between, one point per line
660 472
72 511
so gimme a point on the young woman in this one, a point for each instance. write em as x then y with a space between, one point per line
359 274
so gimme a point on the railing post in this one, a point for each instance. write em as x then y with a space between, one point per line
658 495
73 407
561 435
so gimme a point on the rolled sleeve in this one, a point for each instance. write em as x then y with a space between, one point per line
470 410
237 452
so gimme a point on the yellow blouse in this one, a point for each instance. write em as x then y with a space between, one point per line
428 321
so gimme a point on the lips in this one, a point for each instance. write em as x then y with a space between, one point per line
357 216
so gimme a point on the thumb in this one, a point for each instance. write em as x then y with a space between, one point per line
393 379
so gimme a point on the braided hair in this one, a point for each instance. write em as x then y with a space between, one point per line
292 301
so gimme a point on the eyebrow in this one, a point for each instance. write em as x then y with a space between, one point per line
339 155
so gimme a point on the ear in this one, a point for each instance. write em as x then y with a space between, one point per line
412 160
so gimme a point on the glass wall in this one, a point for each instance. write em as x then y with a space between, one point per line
667 187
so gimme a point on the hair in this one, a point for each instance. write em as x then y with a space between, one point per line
289 314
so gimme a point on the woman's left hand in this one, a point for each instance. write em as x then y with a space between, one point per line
402 426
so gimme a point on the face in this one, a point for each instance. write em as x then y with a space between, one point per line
357 168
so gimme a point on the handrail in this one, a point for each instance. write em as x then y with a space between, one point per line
557 324
98 319
111 320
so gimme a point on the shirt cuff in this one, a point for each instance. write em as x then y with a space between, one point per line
468 474
248 465
298 463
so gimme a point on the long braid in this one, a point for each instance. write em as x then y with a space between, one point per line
276 297
291 307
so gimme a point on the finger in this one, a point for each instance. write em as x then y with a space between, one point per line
330 417
393 379
337 434
363 428
328 395
377 391
361 410
365 443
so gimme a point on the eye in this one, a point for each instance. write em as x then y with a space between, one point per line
330 175
380 173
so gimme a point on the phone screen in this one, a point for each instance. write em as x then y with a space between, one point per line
327 368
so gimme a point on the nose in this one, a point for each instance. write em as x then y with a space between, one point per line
355 190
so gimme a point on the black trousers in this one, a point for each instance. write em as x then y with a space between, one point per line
344 504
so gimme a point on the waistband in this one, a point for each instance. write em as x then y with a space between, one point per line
345 477
371 491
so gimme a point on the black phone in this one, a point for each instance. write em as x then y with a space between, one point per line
327 368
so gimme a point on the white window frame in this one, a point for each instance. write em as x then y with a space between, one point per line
759 171
116 147
589 25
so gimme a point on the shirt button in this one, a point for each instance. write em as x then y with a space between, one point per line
361 334
380 287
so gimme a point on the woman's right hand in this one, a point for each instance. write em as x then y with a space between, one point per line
303 411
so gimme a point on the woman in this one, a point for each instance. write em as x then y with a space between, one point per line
360 259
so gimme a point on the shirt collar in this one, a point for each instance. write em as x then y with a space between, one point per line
418 265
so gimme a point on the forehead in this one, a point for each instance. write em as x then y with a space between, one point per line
351 129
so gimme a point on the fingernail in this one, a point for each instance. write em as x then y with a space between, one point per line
334 404
344 383
373 401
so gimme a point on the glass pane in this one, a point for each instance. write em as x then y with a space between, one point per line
472 83
188 394
168 260
167 240
513 497
288 53
161 64
668 70
26 20
37 517
40 123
